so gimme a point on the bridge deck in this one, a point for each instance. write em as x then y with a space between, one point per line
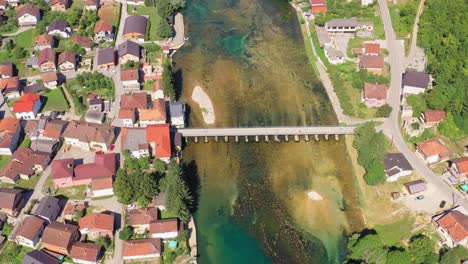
267 131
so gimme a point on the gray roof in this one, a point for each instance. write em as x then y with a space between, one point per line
135 138
42 122
129 47
334 53
43 145
416 186
95 101
342 22
94 116
396 162
33 61
39 257
58 25
105 56
34 88
176 109
160 199
322 35
416 79
48 209
135 24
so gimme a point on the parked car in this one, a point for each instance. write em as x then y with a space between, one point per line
442 204
420 197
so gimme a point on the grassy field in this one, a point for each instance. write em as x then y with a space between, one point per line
13 254
55 101
25 184
26 143
26 39
111 13
73 193
77 4
167 214
154 19
4 160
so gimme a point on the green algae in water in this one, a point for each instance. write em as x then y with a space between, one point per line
235 44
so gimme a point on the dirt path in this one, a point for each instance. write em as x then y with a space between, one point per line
414 36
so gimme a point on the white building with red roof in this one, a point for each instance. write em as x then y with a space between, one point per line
27 106
159 139
142 249
452 226
166 228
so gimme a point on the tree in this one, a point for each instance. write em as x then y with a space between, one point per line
168 80
164 8
159 166
165 30
121 187
383 111
375 173
7 229
398 257
177 4
422 249
178 197
78 50
455 255
79 214
126 233
104 241
448 128
418 103
368 249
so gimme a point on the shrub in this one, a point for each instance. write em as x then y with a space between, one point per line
126 233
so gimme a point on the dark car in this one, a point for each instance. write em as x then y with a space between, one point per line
442 204
420 197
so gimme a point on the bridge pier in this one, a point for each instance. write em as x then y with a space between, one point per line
237 138
206 139
286 138
256 138
267 139
195 139
277 138
326 136
296 138
337 137
306 137
316 137
226 139
216 138
246 139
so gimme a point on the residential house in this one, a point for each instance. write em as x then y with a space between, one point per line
459 168
86 253
49 79
91 5
134 140
39 257
102 187
59 237
142 249
155 115
322 35
106 59
165 228
177 114
141 218
67 61
135 28
59 5
334 56
130 78
85 42
151 72
49 209
45 146
44 41
103 31
10 131
32 63
97 225
416 186
373 64
13 3
59 28
10 201
371 49
158 137
374 95
129 105
96 104
46 60
3 5
415 82
28 15
433 150
23 164
93 116
452 226
27 106
10 87
53 129
342 25
396 166
6 69
431 118
367 2
28 232
34 88
128 117
318 6
89 136
129 51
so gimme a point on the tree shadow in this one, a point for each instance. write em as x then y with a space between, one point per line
178 83
193 182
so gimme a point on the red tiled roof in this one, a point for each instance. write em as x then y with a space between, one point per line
67 56
8 83
126 114
375 91
371 48
129 75
54 129
6 69
318 9
164 226
90 2
157 113
25 103
431 116
97 221
103 167
9 124
27 9
59 234
134 101
59 2
372 62
46 55
85 251
101 184
317 2
141 247
462 164
43 40
62 168
85 42
102 25
456 225
142 216
49 77
159 135
29 227
432 147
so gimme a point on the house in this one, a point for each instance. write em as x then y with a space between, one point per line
59 28
32 63
373 64
28 232
96 104
431 118
396 166
414 82
129 104
374 95
59 5
165 228
128 117
39 257
49 209
158 137
10 201
459 168
134 140
67 61
89 136
318 6
49 79
102 187
13 3
342 25
23 164
433 150
142 249
91 5
371 49
85 253
59 237
28 15
130 78
96 117
46 60
10 131
158 91
45 146
103 31
97 225
10 87
53 129
367 2
177 114
85 42
6 69
151 72
34 88
129 51
141 218
416 186
106 59
333 55
3 5
44 41
154 115
452 226
135 28
27 106
322 36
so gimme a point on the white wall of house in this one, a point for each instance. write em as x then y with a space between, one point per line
165 235
178 121
140 153
83 261
127 122
429 160
130 83
156 255
51 85
59 33
412 90
449 241
67 66
395 177
145 123
31 243
76 142
367 2
102 146
104 192
28 20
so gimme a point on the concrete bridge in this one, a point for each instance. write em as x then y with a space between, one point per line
275 133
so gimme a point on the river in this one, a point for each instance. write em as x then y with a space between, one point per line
253 207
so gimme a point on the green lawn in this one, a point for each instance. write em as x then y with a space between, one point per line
25 184
65 44
26 39
397 231
154 18
4 160
148 86
13 254
111 13
77 4
55 101
167 214
10 102
26 143
73 193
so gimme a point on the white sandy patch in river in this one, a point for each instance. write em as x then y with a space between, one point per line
314 196
204 101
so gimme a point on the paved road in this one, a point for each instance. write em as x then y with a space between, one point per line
19 31
391 126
